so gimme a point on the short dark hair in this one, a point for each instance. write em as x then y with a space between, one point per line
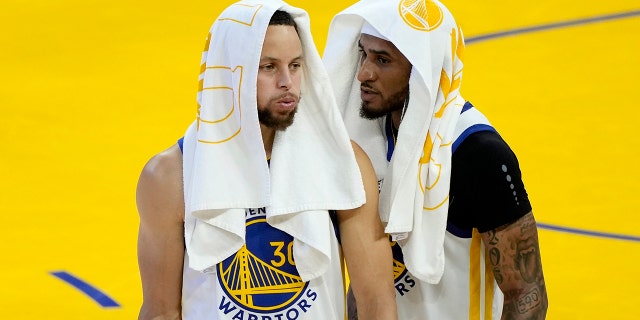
282 18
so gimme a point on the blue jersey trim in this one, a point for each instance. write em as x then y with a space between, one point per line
459 232
473 129
391 143
180 144
467 106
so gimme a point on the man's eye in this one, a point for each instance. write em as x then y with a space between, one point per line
363 56
267 67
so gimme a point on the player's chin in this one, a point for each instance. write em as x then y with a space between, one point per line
371 111
284 120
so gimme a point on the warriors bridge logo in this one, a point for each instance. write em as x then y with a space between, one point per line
403 281
423 15
261 281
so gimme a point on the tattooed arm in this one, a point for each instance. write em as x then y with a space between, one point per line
515 257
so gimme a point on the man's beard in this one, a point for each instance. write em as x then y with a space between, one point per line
268 119
395 102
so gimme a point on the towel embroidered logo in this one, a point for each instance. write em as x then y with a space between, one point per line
423 15
260 281
220 86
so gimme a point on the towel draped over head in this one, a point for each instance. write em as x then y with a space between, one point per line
415 187
312 167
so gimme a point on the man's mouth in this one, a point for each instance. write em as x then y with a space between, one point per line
287 102
367 88
367 92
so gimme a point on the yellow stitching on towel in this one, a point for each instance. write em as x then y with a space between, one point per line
221 141
247 23
438 205
425 159
239 107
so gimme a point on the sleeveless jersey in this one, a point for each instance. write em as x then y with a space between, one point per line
467 289
260 281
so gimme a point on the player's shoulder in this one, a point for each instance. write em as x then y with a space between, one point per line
164 165
162 170
484 143
484 149
159 193
363 160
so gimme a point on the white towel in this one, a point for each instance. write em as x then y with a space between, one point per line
313 168
415 189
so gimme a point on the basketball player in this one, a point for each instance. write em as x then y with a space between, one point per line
262 280
402 77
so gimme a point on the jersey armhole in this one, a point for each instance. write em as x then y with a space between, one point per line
180 144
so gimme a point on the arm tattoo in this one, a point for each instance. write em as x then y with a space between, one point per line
494 256
493 240
529 301
527 257
527 225
525 306
514 255
528 260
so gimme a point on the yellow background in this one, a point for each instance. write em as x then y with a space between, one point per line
91 89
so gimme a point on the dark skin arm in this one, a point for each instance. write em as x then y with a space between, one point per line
367 251
514 254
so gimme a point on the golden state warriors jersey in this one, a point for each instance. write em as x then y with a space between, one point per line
260 282
467 289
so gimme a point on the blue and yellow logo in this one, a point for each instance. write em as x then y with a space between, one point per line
261 277
403 281
399 269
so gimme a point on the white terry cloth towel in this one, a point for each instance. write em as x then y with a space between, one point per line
415 187
312 169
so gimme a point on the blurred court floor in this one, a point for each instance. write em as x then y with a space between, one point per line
91 89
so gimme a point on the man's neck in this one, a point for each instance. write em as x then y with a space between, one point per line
268 135
396 118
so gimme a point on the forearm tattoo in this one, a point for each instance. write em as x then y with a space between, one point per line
527 251
514 255
494 256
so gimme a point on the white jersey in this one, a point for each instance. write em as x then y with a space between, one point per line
260 282
467 289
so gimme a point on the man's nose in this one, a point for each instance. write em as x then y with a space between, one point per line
366 72
285 80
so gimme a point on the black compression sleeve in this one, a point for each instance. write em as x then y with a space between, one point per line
486 184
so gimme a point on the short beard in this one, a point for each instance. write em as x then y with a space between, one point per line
393 103
267 118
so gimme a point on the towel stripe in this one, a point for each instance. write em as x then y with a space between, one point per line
95 294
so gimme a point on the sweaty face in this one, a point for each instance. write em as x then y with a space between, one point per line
279 77
383 75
